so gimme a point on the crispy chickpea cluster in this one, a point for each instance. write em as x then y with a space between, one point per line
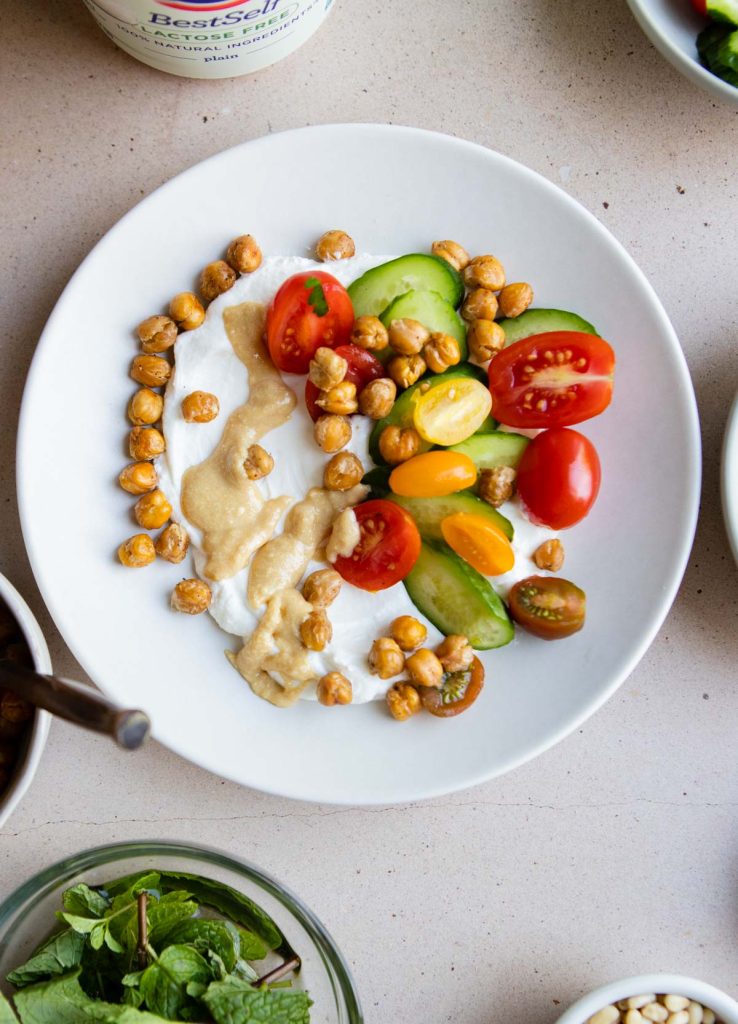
258 462
407 336
496 486
484 272
339 400
145 443
152 510
549 556
452 253
455 653
191 596
343 472
332 432
157 333
334 688
334 245
316 631
186 311
200 407
385 658
244 254
327 369
369 332
398 444
217 277
403 701
485 339
407 632
441 351
172 543
377 398
479 304
406 370
145 407
322 587
151 371
515 298
137 551
139 477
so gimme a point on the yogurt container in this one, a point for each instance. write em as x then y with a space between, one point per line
209 38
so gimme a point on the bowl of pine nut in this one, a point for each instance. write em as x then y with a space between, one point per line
654 999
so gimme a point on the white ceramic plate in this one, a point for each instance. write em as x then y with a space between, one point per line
394 190
673 27
729 477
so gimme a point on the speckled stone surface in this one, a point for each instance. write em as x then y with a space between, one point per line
614 853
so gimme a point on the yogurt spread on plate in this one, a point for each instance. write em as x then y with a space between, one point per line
207 360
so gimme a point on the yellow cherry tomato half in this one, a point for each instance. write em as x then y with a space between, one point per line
433 474
479 542
450 412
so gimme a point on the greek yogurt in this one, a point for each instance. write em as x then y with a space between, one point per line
205 361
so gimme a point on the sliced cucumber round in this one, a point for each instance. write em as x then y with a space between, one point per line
431 310
540 321
489 450
429 513
458 599
373 292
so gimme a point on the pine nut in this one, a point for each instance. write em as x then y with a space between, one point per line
633 1017
708 1017
607 1015
696 1014
680 1017
655 1012
675 1003
638 1002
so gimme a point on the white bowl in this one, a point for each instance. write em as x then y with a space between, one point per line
729 478
26 768
673 27
724 1007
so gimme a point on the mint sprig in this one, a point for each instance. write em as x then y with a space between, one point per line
316 299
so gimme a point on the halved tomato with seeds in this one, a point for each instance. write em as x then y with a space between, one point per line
551 380
457 693
387 550
309 310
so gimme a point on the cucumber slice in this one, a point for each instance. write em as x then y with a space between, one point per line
495 449
376 289
428 513
723 10
402 411
458 599
433 311
539 321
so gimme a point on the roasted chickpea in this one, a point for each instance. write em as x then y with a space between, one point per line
424 668
217 277
258 462
369 332
243 254
479 304
377 398
343 472
403 701
157 333
408 632
153 371
322 587
485 339
332 432
334 245
145 443
398 444
333 689
316 631
327 369
152 510
455 653
496 485
340 400
441 351
172 543
515 298
385 658
187 311
137 551
485 272
452 253
407 336
549 556
405 370
200 407
145 407
191 597
139 477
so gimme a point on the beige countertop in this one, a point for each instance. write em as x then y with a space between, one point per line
614 853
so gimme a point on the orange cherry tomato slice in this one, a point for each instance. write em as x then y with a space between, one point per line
479 542
433 475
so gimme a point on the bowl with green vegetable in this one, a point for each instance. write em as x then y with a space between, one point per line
699 37
140 933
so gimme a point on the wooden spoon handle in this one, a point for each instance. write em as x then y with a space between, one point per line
77 703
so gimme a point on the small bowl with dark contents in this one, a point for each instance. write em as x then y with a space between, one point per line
23 728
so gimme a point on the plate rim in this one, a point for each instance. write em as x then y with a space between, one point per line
688 66
405 793
728 466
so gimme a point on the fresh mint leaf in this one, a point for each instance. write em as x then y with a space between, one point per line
162 916
85 902
127 888
245 971
233 905
82 925
220 937
61 1001
252 947
316 299
164 984
6 1012
236 1002
57 955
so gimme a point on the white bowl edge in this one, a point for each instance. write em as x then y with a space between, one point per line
723 1005
729 477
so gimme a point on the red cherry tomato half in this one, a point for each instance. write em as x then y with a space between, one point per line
700 6
388 548
559 477
458 692
362 367
551 380
548 606
309 310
